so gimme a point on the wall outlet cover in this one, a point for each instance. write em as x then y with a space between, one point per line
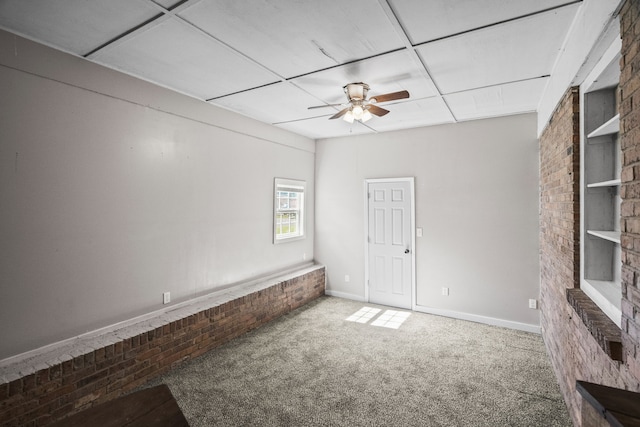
533 304
166 297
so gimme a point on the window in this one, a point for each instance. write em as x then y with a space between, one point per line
288 215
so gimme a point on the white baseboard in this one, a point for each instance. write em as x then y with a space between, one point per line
344 295
85 343
480 319
526 327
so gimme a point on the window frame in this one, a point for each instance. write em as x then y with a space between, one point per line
287 185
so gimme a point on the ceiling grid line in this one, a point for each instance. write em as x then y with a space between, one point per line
280 78
122 38
291 79
191 25
402 32
270 61
494 24
163 14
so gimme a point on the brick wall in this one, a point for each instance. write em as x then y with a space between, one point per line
100 375
629 109
575 353
560 235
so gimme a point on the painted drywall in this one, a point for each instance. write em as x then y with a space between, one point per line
476 186
114 191
595 20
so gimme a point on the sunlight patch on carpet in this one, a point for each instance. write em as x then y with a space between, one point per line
363 315
391 319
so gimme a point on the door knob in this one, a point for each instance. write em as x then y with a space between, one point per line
406 251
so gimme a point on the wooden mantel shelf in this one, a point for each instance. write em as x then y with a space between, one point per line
620 408
151 407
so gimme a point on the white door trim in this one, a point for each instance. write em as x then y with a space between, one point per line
411 181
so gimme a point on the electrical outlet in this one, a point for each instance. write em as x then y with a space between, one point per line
346 278
533 304
166 297
445 292
419 231
304 256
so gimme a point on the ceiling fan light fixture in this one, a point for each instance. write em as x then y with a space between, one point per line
359 107
357 112
348 117
356 90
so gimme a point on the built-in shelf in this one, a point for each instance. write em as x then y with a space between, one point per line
610 183
612 236
601 166
607 288
606 295
610 127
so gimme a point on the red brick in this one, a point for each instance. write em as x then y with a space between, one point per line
574 353
108 372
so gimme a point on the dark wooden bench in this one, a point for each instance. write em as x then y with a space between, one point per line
608 406
152 407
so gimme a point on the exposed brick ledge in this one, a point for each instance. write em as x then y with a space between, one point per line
28 363
607 334
63 379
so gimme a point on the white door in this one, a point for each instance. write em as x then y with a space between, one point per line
390 244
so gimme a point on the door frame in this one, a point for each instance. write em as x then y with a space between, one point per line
411 181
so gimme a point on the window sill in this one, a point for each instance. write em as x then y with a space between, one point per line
288 239
607 334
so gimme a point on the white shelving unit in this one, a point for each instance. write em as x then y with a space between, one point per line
612 236
600 198
610 127
610 183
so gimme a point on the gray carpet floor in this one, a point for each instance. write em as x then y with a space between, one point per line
313 367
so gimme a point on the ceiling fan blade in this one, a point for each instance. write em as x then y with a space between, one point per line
339 114
374 109
323 106
390 96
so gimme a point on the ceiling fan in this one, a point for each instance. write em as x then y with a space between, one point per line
359 107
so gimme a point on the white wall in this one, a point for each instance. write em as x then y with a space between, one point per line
476 200
594 24
113 191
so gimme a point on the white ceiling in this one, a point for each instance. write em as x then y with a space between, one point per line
271 59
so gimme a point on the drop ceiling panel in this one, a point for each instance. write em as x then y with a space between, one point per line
501 100
411 114
429 20
279 102
177 56
270 60
294 37
386 73
322 127
522 49
77 26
